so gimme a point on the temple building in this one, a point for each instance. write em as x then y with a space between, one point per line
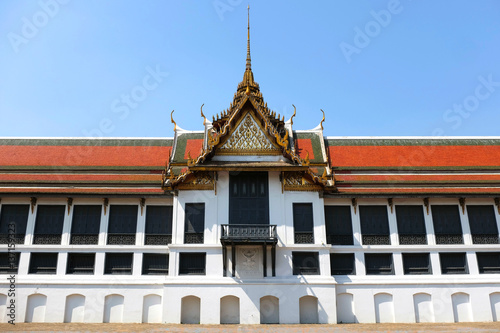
250 220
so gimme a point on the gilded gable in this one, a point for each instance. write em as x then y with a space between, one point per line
248 139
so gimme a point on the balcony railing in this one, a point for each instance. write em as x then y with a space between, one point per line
248 232
407 239
158 239
84 239
376 240
485 239
449 239
304 238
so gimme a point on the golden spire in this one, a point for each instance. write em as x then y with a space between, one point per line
249 60
248 86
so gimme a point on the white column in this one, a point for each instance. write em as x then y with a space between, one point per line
24 262
359 261
137 264
435 263
472 262
66 230
464 220
397 258
99 263
356 226
103 229
429 226
141 226
393 225
497 216
30 226
62 259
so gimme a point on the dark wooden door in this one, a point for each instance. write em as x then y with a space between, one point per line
248 198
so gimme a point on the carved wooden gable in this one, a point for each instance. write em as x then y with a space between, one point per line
248 138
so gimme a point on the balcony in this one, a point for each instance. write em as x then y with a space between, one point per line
248 233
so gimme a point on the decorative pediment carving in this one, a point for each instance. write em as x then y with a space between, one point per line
199 181
248 138
298 181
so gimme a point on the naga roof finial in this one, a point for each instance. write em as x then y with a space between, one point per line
172 120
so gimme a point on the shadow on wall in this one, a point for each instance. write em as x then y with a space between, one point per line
190 310
424 311
495 306
113 309
384 308
3 308
462 311
308 308
345 309
75 309
229 310
35 308
152 309
269 310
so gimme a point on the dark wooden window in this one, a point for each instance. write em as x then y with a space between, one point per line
374 225
488 262
483 224
13 220
43 263
248 198
194 223
49 224
158 225
342 263
305 263
447 226
118 263
338 225
192 263
379 264
155 264
411 225
80 263
453 263
416 263
9 262
303 223
122 224
85 225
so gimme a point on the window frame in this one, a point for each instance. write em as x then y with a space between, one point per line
380 270
74 270
421 270
38 255
352 259
443 236
301 233
114 255
382 236
157 236
158 271
191 234
184 270
332 223
305 270
449 270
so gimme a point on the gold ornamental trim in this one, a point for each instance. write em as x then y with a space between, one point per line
297 181
199 181
247 138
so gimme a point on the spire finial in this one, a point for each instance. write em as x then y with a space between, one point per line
249 60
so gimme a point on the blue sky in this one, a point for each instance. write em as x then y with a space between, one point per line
382 68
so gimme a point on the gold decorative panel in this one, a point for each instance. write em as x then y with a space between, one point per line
296 181
199 181
248 139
